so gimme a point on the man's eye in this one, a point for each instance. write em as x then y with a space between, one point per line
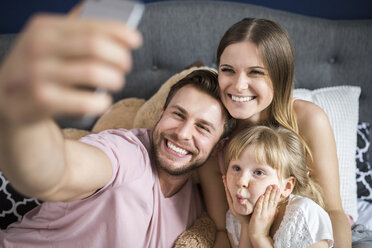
204 128
178 114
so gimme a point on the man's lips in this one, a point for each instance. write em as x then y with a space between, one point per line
180 151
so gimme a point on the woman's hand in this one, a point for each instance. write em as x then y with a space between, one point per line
263 217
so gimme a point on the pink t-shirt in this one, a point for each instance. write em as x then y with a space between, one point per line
130 211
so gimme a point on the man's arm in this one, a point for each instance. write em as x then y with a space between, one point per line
40 163
42 77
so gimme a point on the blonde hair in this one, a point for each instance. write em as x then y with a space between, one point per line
283 150
276 51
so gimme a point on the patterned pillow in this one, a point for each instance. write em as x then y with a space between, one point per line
364 169
13 205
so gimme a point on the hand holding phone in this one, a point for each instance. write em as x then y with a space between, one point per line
127 11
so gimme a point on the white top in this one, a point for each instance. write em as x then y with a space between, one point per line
304 223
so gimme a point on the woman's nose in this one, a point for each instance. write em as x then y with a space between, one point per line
242 82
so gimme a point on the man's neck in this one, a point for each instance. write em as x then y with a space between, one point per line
169 184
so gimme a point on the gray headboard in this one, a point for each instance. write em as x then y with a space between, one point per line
176 34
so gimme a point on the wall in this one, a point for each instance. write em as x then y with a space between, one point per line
14 13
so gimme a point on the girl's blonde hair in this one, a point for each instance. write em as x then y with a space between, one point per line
276 51
283 150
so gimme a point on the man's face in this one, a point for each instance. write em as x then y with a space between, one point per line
187 131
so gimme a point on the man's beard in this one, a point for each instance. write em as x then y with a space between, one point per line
186 168
175 171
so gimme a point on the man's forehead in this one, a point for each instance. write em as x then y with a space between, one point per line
191 100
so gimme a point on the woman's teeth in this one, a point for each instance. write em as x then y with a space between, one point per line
241 99
176 148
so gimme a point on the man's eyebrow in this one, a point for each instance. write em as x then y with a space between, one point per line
202 121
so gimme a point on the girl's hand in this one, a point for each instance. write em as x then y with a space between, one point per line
243 219
263 215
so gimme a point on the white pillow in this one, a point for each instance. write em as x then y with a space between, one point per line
341 103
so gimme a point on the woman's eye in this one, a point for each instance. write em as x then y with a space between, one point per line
227 70
256 72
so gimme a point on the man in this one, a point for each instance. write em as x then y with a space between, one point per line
117 188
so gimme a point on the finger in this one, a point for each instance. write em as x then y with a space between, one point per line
273 196
87 73
259 207
98 47
58 101
75 11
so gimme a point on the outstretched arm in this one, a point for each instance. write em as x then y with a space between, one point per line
315 128
39 80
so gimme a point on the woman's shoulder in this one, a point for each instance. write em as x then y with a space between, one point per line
310 117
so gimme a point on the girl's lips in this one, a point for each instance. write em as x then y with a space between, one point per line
241 199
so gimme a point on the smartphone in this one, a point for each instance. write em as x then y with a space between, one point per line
128 11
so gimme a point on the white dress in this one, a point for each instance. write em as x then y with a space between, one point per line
304 223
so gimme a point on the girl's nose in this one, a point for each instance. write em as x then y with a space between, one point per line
243 180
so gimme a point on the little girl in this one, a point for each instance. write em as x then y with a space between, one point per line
273 201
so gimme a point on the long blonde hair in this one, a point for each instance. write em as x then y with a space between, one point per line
276 51
283 150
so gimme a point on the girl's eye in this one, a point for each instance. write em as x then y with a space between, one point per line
259 173
236 168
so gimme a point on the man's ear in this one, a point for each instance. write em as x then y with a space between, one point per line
220 145
289 184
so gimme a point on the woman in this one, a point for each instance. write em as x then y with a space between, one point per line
256 77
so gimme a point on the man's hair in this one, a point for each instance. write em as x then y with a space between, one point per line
206 81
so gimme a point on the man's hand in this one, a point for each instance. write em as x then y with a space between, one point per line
55 58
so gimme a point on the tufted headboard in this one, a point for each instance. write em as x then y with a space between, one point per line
178 33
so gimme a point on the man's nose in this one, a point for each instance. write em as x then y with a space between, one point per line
185 130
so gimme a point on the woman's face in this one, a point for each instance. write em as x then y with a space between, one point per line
245 85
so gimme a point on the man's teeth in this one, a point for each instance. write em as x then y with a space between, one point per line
176 149
241 99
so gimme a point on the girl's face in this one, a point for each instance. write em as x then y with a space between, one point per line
247 180
245 85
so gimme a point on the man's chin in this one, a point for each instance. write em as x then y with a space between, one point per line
178 171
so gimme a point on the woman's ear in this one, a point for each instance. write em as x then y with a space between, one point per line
289 184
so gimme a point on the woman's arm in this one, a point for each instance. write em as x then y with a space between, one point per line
320 244
215 199
315 128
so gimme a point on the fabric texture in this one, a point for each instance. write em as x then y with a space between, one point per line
341 104
363 169
304 223
130 211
